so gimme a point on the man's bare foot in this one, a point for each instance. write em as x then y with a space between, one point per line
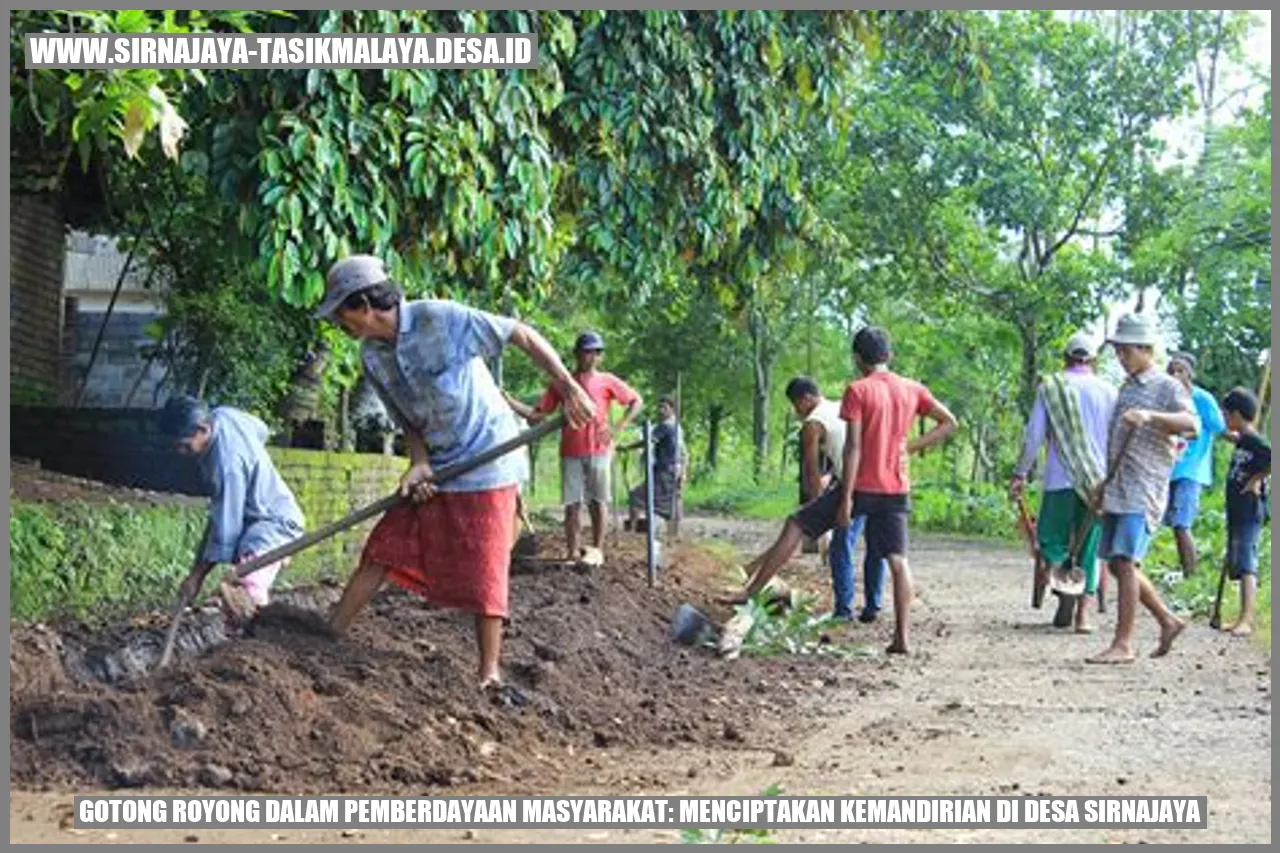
1082 625
1240 630
1168 634
896 648
1115 654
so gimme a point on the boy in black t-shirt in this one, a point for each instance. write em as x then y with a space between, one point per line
1246 500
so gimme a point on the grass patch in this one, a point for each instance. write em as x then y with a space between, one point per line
722 552
693 835
96 562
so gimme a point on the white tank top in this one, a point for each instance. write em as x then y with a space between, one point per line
834 428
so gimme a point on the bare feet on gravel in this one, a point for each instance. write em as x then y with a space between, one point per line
1239 630
1082 625
1168 633
1113 655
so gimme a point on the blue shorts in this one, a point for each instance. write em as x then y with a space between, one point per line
1242 549
1125 536
1184 504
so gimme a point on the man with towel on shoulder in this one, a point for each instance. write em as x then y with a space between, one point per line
1072 414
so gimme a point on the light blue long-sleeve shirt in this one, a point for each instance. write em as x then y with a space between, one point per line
253 510
1196 461
1097 401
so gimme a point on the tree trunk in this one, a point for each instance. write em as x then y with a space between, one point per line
346 438
715 414
1030 368
762 366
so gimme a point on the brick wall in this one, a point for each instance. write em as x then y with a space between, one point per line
329 486
122 447
37 244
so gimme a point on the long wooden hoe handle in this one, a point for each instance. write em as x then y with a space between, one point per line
363 514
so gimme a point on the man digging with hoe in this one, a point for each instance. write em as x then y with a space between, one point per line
426 360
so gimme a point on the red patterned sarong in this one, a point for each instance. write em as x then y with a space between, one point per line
453 550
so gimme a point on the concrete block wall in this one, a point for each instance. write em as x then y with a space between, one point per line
120 357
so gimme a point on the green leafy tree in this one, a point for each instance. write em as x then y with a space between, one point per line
996 196
58 114
1206 246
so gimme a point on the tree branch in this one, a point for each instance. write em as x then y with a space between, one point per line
1074 228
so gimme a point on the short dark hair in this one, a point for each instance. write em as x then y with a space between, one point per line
872 345
801 386
1186 359
182 416
1242 401
379 297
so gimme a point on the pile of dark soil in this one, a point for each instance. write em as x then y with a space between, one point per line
395 707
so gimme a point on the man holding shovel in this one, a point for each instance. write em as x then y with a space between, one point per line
1072 414
426 360
879 410
1152 408
252 511
822 437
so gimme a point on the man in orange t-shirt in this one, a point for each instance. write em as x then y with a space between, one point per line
880 409
586 453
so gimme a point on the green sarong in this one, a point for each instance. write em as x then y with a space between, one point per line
1062 514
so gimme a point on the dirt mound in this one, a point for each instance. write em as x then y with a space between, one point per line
394 707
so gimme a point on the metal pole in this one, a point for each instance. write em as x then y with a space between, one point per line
651 526
677 494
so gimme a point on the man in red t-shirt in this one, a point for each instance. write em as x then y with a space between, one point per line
879 410
586 453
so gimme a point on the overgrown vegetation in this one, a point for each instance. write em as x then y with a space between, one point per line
96 562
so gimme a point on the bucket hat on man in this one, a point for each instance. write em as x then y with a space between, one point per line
1135 330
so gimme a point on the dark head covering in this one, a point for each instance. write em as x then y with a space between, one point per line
182 416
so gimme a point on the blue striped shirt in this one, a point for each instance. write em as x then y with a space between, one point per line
253 510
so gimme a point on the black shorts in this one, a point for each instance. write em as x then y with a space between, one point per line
886 530
819 515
